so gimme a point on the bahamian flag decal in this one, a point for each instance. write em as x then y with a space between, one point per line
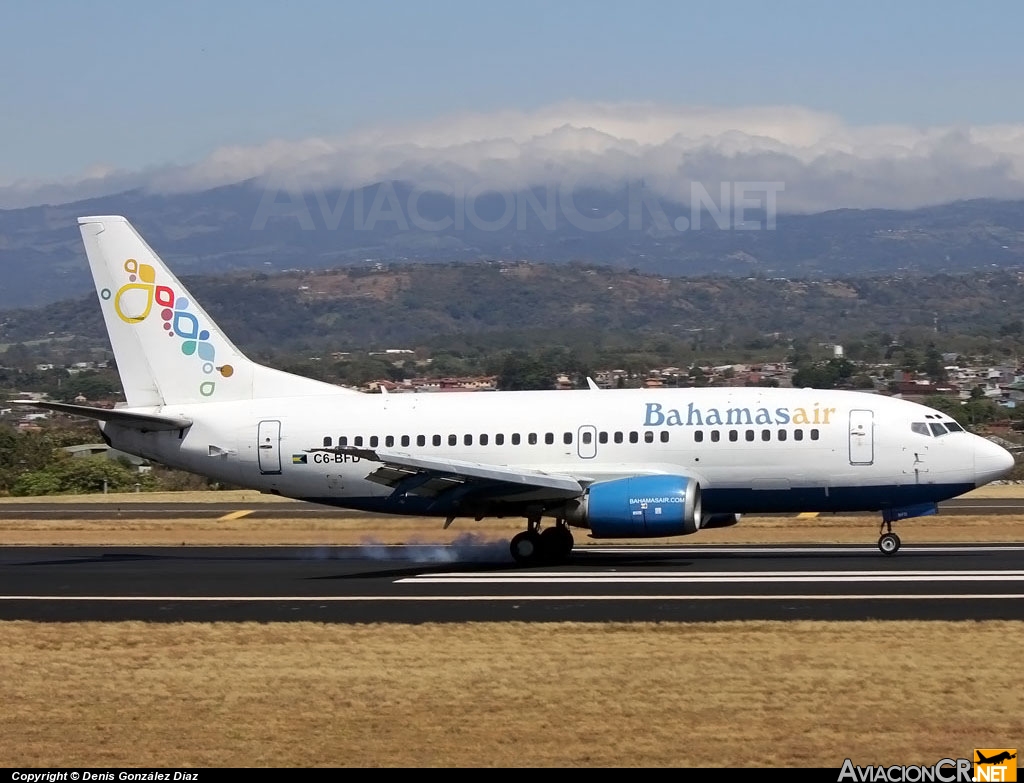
299 459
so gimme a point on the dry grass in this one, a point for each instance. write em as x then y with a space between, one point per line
506 695
205 496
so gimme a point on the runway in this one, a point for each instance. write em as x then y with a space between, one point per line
473 583
255 511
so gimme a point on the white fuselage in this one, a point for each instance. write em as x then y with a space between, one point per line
751 449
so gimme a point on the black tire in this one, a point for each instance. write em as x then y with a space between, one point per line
889 544
526 547
556 544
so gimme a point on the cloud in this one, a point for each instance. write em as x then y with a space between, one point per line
823 162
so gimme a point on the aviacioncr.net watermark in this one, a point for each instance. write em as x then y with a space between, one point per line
443 207
943 771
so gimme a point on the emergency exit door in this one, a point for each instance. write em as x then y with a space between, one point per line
269 446
862 437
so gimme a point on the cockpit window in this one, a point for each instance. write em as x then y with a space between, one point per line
952 426
920 428
937 429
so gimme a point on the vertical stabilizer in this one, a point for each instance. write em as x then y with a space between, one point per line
168 350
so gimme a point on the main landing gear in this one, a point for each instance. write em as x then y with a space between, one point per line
888 541
541 547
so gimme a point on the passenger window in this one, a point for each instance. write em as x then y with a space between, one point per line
634 436
749 435
648 436
664 436
698 436
499 439
798 434
405 440
567 438
920 427
766 434
602 437
453 439
389 441
715 436
532 439
467 440
421 440
515 438
814 434
734 435
937 429
483 438
782 434
343 440
587 437
374 440
358 440
327 441
437 440
618 437
549 438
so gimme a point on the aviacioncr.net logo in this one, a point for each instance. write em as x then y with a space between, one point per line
995 765
943 771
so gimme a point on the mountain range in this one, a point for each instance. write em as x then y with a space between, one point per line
246 227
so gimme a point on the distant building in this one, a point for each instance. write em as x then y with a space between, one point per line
102 449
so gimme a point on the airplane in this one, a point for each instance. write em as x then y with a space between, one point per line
996 759
617 463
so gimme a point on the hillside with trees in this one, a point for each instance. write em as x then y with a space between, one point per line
519 305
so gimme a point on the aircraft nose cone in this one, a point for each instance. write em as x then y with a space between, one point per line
991 461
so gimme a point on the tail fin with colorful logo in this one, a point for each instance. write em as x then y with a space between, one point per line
168 350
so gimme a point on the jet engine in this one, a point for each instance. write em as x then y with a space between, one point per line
638 507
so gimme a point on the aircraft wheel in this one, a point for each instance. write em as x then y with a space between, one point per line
556 544
526 547
889 543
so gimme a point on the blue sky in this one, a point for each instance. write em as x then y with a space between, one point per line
134 85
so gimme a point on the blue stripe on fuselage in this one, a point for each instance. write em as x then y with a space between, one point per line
739 500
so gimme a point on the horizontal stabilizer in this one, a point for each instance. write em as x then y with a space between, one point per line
147 422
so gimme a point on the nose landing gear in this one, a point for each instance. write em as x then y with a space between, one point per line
888 542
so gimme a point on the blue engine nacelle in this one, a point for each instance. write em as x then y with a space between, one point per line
639 507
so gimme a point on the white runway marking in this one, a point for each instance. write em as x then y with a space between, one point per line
630 578
739 549
615 574
334 599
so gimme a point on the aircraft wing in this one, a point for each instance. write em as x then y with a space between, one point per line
432 476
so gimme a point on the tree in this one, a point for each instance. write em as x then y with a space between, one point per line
90 384
521 370
80 476
21 452
829 375
933 365
981 411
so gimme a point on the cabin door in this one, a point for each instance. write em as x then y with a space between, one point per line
269 446
862 437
